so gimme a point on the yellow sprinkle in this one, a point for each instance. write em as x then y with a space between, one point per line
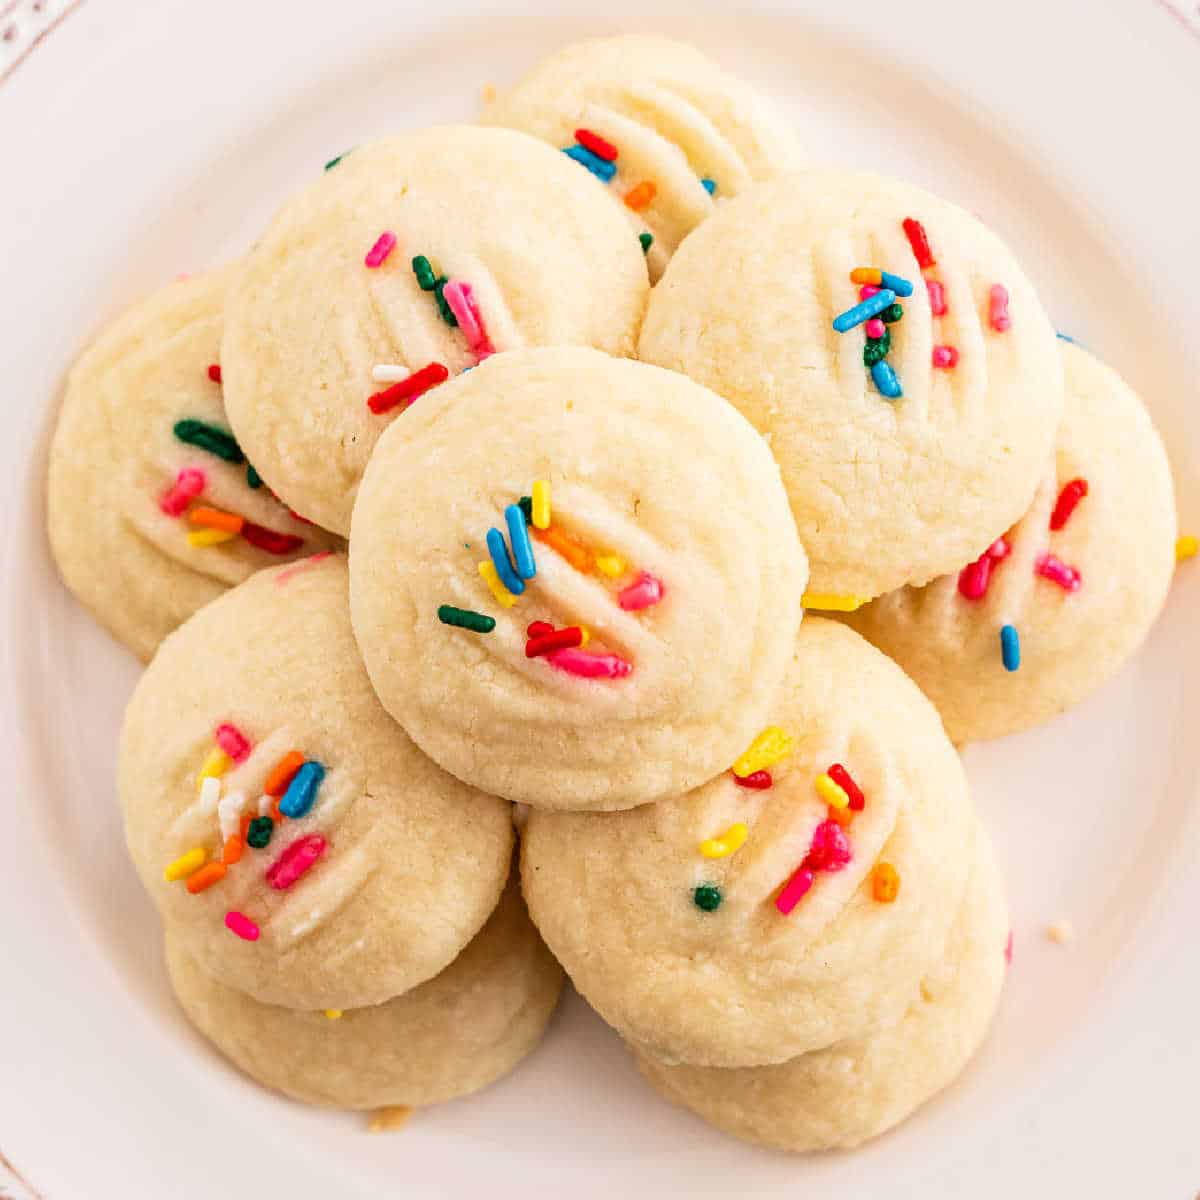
388 1120
541 504
487 569
611 565
214 766
833 795
185 864
766 750
587 635
728 843
832 602
1186 547
210 537
334 1014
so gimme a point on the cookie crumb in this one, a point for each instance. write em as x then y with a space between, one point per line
1062 932
390 1119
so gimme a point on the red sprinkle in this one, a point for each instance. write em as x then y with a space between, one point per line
830 849
998 316
917 239
297 517
539 629
758 780
999 549
596 144
417 384
841 777
295 861
189 483
269 540
214 372
1052 568
794 890
945 357
1070 496
974 578
937 297
384 245
558 639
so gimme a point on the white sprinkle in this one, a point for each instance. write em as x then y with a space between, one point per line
389 373
229 813
210 794
1062 932
264 806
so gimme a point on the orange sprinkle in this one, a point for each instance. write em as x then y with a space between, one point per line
210 873
843 816
233 850
885 882
641 196
276 815
214 518
579 556
282 772
246 819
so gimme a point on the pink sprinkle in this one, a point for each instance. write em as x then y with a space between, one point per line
945 356
241 924
937 297
1001 322
999 549
384 245
645 591
459 297
590 666
876 328
295 861
1008 948
867 291
303 565
188 484
794 890
231 739
1050 567
974 578
830 849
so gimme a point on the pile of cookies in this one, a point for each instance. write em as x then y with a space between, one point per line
488 492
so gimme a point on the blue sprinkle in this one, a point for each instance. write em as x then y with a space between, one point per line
1010 647
871 307
601 168
1065 337
886 381
897 283
709 185
302 791
504 568
518 535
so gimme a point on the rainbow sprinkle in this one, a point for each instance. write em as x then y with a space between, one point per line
378 253
465 618
590 666
974 578
1010 647
301 793
1070 496
770 747
1185 547
1048 566
602 168
729 842
295 861
832 601
597 145
500 560
919 242
998 316
241 924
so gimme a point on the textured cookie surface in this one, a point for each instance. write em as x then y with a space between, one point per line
885 493
614 895
855 1090
1110 568
674 119
546 258
452 1035
669 539
120 541
408 863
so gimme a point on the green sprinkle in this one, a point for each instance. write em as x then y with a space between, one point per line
424 273
464 618
876 349
253 478
333 162
707 897
526 505
216 441
892 313
259 832
647 240
444 308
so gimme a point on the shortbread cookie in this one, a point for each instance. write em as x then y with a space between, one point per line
452 1035
658 528
742 923
153 509
665 130
854 1090
899 469
1078 581
303 848
420 254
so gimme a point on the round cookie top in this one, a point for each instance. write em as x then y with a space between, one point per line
1080 579
886 489
739 924
667 132
657 525
450 1036
422 253
857 1089
153 509
285 826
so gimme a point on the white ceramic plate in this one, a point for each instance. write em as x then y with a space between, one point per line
140 141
